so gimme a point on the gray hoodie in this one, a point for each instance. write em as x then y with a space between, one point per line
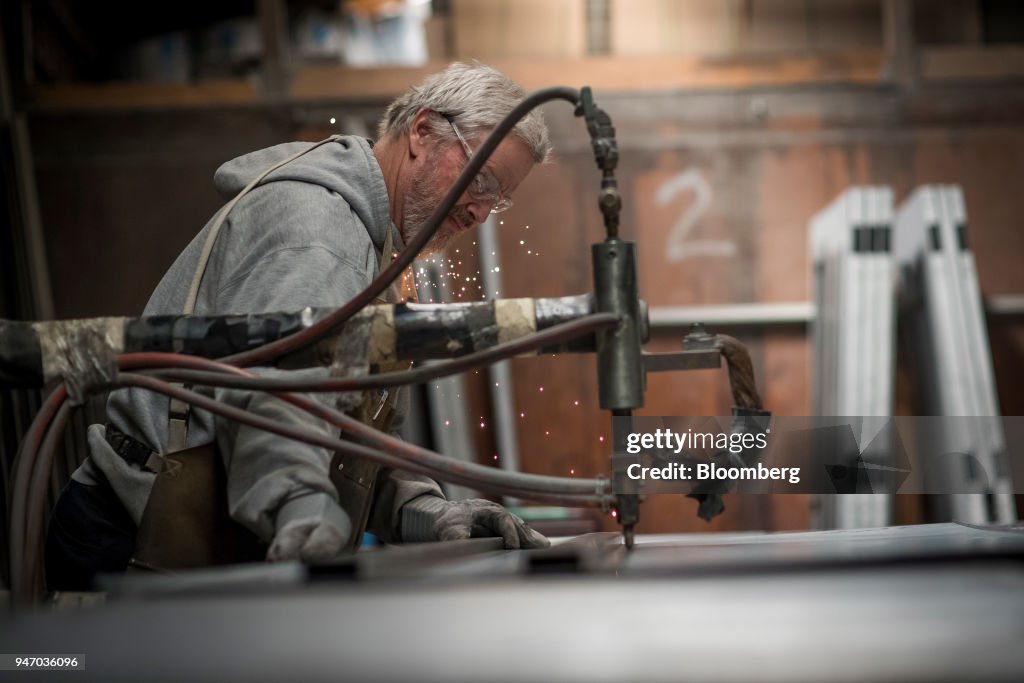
307 235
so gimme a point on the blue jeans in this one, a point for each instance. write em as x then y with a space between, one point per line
90 533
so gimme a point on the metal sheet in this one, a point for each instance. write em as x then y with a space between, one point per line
913 621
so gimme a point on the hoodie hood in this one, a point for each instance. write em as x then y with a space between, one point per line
345 166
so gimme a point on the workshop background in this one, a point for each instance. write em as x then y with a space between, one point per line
737 120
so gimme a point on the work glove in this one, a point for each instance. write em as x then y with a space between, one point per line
312 529
430 518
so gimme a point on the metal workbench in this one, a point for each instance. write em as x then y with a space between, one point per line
941 602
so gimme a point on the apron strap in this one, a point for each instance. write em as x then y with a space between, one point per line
387 255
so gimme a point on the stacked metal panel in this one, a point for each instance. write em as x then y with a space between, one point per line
946 326
853 335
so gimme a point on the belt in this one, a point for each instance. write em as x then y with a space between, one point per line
133 451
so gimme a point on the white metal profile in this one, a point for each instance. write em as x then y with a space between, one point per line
853 333
947 330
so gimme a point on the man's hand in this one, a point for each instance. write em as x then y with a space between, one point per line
429 518
311 529
309 540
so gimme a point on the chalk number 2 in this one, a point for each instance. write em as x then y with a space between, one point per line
678 248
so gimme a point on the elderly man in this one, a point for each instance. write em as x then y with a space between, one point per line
313 232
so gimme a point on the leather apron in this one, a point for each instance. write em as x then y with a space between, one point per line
356 479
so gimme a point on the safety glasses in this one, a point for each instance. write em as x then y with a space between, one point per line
485 187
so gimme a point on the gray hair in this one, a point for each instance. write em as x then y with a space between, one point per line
475 96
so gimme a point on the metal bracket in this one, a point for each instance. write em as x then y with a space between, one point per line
700 352
682 360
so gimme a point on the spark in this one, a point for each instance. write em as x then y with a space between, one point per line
575 403
481 425
572 471
332 120
522 414
446 423
541 388
521 242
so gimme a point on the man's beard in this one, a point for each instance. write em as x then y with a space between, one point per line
419 203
